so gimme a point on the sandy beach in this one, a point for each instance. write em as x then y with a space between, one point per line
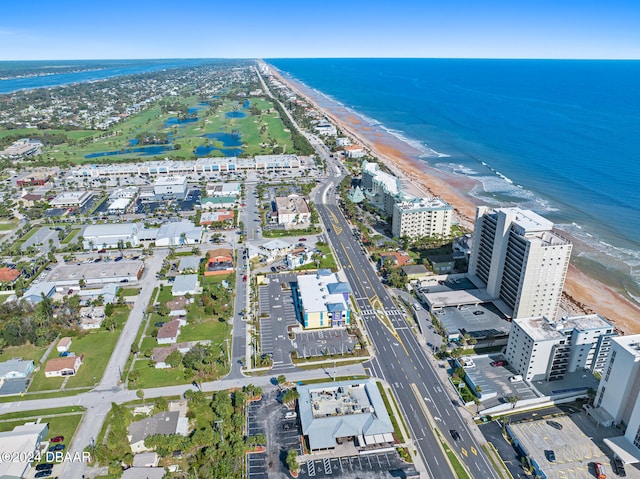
582 293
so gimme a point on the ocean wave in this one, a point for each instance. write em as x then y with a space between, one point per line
456 168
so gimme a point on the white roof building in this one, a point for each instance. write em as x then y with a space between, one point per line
185 284
22 443
69 199
110 236
179 233
344 410
169 187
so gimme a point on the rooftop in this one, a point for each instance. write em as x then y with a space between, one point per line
543 329
390 182
170 180
527 219
169 330
423 204
630 343
292 204
316 294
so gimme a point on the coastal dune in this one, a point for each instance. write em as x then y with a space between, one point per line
582 293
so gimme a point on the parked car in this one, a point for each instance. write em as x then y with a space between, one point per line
102 250
454 434
290 415
47 466
618 467
302 239
57 447
516 379
551 455
497 363
57 439
555 425
45 473
64 354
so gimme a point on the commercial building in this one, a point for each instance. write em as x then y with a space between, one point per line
217 218
354 151
322 300
178 233
219 261
618 397
111 235
223 189
71 199
35 178
21 445
72 274
118 206
202 166
22 148
292 210
520 260
422 217
35 292
542 349
170 187
343 412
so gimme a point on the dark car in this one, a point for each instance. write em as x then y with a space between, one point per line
47 466
551 456
618 467
555 425
273 269
454 434
159 324
102 250
57 447
57 439
478 313
45 473
119 258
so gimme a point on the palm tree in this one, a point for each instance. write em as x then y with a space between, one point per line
514 400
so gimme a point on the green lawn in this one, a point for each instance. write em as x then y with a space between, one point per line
219 278
58 425
26 351
96 346
165 295
211 329
72 234
130 291
154 378
6 226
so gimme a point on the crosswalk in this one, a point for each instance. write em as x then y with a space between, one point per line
392 313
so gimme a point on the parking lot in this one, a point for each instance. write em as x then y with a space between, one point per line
575 452
267 417
319 343
378 465
277 302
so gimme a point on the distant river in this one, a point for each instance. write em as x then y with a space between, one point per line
91 70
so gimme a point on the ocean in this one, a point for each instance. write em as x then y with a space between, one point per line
560 137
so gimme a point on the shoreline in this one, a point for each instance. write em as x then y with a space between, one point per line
582 293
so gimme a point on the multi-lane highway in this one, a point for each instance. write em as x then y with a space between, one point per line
399 359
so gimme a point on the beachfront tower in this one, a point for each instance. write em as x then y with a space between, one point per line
520 260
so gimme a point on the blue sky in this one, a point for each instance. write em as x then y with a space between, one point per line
74 29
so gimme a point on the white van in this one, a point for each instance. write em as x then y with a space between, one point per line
516 379
417 307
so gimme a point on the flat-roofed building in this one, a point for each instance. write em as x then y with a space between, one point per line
171 187
110 236
34 178
292 210
418 217
520 260
21 445
541 349
217 218
22 148
323 300
223 189
178 233
71 199
70 274
118 206
344 411
382 188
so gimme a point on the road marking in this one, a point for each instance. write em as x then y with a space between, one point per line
474 451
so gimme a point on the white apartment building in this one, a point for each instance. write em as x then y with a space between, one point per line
422 217
520 260
382 188
171 187
541 349
618 395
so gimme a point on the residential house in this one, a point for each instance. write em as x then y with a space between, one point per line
417 272
441 264
143 472
160 354
91 317
146 459
35 292
169 332
189 264
219 219
16 368
66 366
185 284
275 248
354 151
165 423
9 275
